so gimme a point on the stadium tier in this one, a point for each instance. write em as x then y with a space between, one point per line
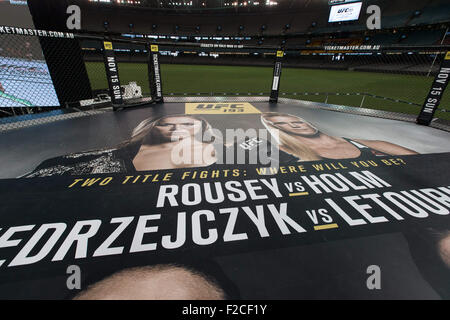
304 17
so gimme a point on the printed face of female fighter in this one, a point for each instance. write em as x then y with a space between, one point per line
293 124
177 128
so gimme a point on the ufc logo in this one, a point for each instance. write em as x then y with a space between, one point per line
217 106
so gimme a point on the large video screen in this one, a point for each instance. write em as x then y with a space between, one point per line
345 12
25 80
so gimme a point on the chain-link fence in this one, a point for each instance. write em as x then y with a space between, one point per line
25 80
95 65
388 79
396 80
39 74
30 83
131 60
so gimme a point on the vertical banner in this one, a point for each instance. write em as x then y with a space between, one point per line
276 77
437 91
154 74
112 74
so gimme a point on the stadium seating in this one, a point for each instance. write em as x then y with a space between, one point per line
300 20
423 37
308 27
436 12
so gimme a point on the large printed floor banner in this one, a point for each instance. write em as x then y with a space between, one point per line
212 200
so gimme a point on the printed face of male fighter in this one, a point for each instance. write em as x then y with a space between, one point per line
177 128
163 283
444 249
292 124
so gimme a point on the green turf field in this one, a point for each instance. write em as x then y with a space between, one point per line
236 79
